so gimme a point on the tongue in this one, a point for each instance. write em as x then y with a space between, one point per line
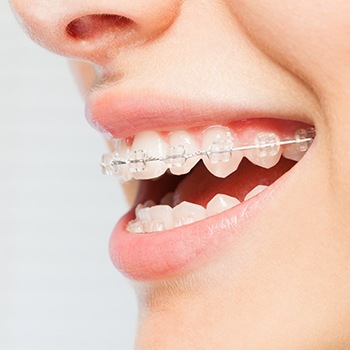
200 186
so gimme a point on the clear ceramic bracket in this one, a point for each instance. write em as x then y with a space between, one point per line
267 144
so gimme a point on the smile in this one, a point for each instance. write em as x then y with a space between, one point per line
203 173
150 155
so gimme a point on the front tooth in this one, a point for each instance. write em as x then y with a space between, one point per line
140 213
267 152
220 203
135 226
122 152
107 164
159 218
221 161
186 213
181 143
152 218
147 144
255 191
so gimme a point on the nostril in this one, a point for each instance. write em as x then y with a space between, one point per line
96 26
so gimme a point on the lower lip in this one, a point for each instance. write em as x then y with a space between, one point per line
165 254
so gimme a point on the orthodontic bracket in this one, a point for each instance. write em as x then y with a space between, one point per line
267 144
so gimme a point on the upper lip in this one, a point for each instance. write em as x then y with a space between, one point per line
122 114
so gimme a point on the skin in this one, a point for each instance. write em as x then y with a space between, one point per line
285 284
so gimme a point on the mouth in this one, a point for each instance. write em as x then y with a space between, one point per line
203 174
200 173
192 180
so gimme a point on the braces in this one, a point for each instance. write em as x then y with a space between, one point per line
266 143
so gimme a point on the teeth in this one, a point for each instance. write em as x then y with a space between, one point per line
142 213
152 219
180 144
162 217
186 213
267 152
123 170
135 226
107 168
150 155
302 135
147 144
255 191
141 210
293 152
221 161
297 150
158 218
220 203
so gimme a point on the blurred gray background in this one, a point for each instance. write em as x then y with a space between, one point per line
58 288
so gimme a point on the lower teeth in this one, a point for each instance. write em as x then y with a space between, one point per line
158 218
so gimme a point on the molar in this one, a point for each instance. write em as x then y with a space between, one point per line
297 150
147 144
220 203
181 143
293 152
268 151
220 161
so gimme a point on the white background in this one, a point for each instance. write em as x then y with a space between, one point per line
58 288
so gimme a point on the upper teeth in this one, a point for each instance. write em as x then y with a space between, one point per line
151 155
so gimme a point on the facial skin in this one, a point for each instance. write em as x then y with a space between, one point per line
285 284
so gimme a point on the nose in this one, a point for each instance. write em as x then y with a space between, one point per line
90 29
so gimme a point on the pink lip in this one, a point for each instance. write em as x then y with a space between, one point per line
124 114
159 255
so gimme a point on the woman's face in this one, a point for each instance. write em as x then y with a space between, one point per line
272 272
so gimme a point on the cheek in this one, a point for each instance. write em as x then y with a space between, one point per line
306 37
311 40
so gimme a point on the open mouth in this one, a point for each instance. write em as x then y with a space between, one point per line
187 176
